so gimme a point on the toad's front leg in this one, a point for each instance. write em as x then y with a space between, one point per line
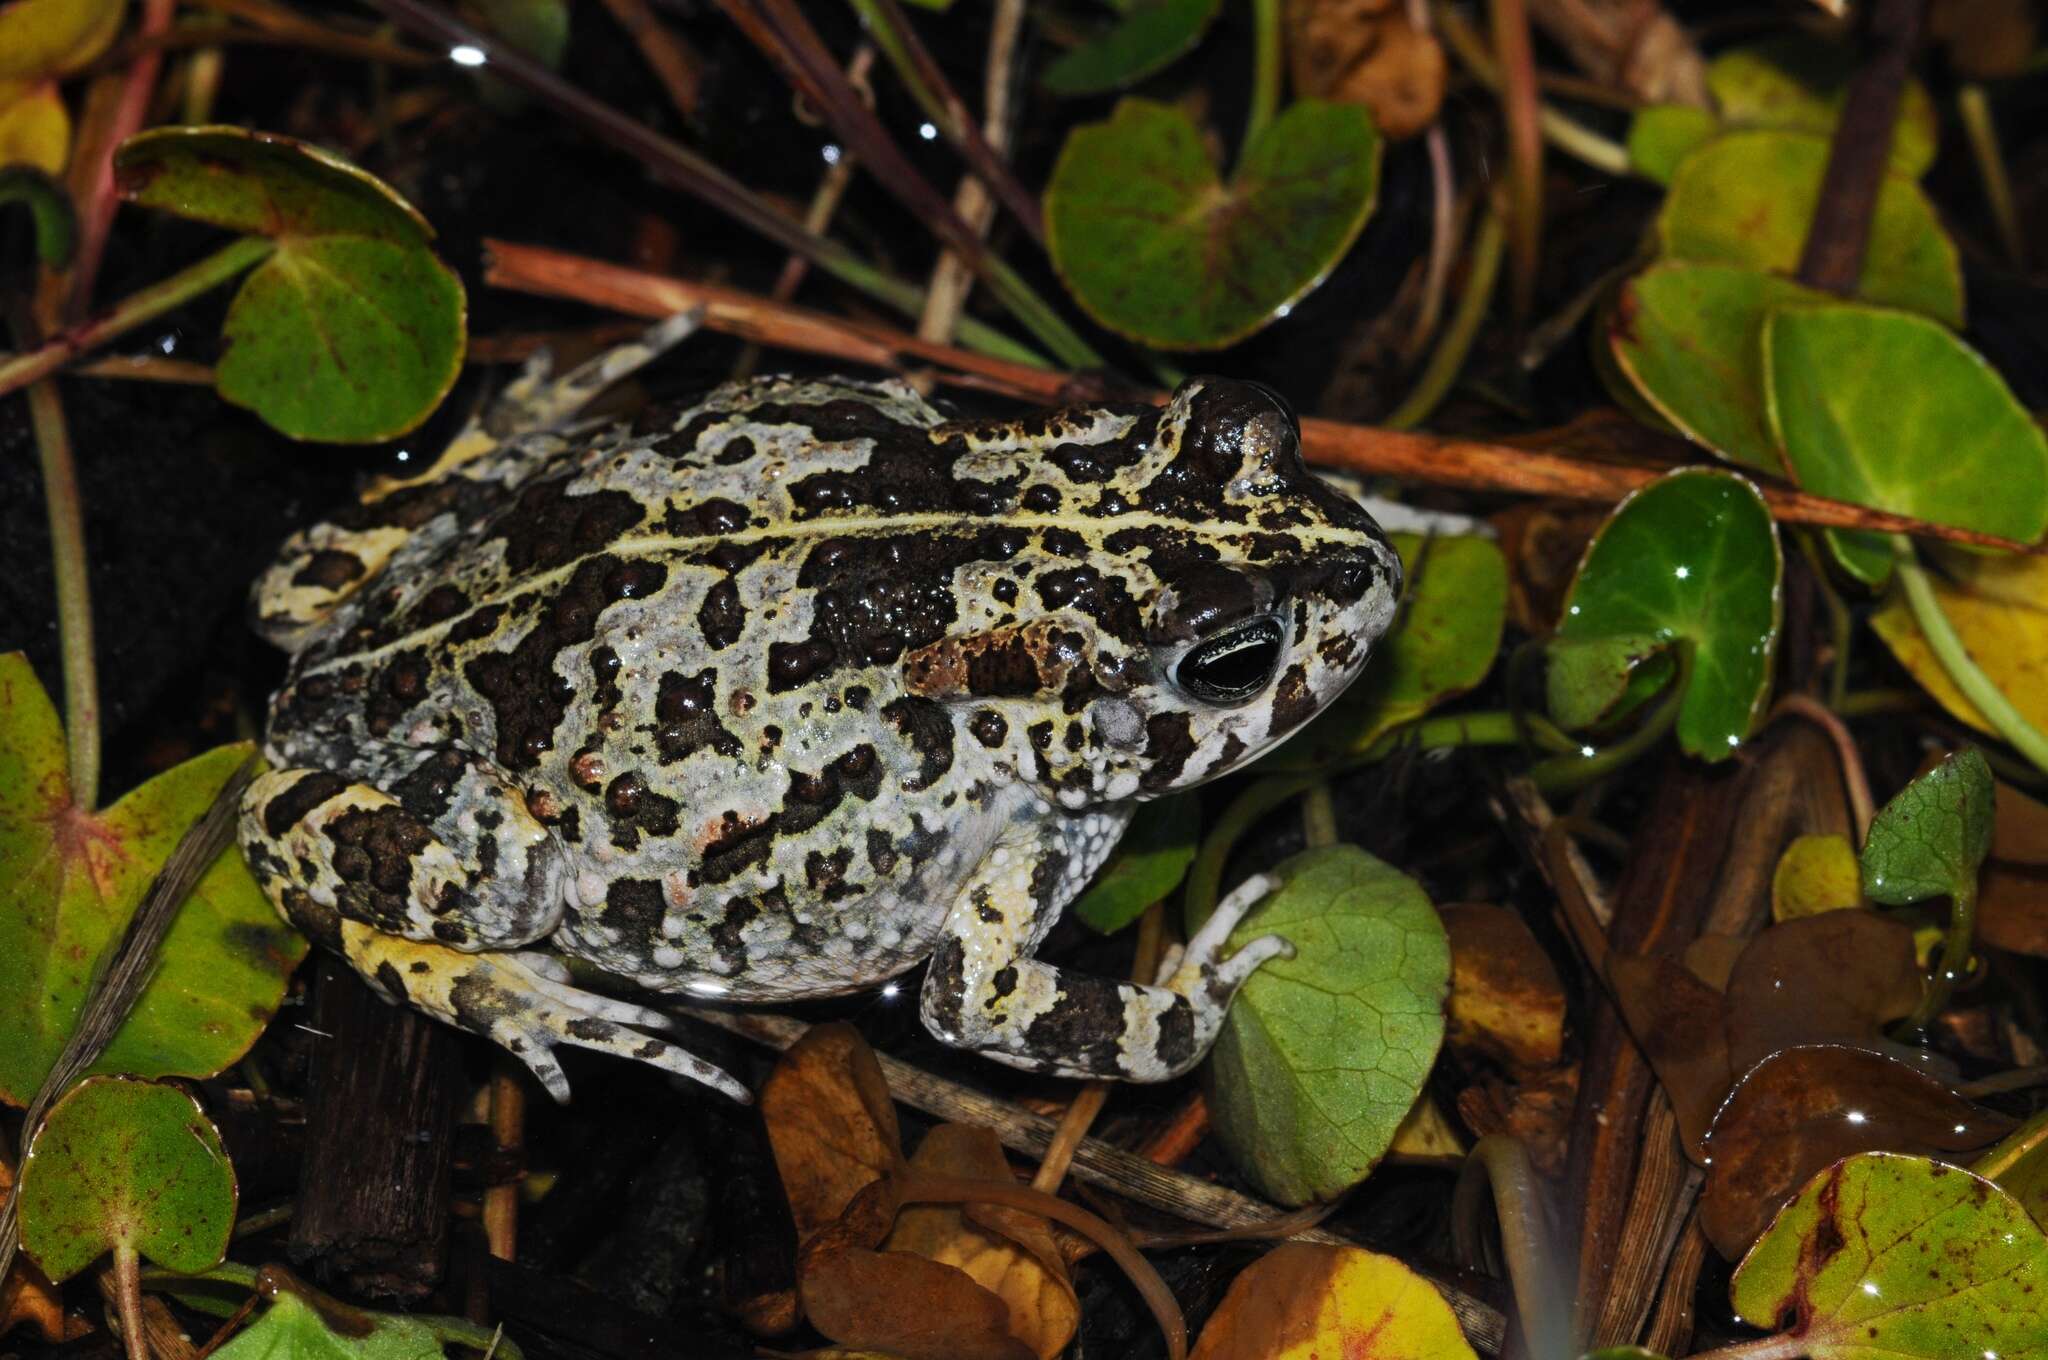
984 992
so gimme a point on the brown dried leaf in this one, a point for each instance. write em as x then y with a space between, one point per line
1987 39
1367 52
2019 828
1506 1000
1537 1114
1543 542
1711 958
1838 977
1807 1107
830 1123
1010 1253
1680 1023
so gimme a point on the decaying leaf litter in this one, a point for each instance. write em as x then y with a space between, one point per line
1667 898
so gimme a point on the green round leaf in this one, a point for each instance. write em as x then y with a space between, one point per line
127 1163
1747 198
1323 1054
1442 645
74 880
1930 839
1148 36
1156 247
1899 1257
1694 556
1662 135
1797 81
1890 410
292 1329
1149 863
1690 338
351 330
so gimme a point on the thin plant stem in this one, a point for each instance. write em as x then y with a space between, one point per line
1448 358
1866 703
2013 1148
1265 72
1561 130
1855 781
17 371
1948 648
1841 624
1515 53
1560 774
1205 875
1955 958
1527 1237
1318 817
128 1300
1982 132
677 166
66 510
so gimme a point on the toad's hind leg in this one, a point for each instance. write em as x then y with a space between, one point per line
523 1003
984 992
428 891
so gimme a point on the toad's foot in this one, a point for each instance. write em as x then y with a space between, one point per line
523 1003
1195 967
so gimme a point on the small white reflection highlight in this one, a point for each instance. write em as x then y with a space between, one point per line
1858 1117
1870 1288
1684 572
466 55
927 131
890 990
830 153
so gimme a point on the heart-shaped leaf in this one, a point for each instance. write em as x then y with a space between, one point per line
1690 337
1747 198
131 1164
1900 1257
1442 645
1890 410
1323 1054
40 38
73 880
1148 36
1693 556
292 1328
1155 246
351 330
1150 861
1797 82
1999 607
1303 1300
1932 837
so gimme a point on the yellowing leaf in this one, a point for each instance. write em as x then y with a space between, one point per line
1816 874
35 128
1427 1136
54 37
1009 1253
1506 1000
1304 1301
1999 605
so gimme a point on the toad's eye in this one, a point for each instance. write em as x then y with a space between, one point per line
1232 666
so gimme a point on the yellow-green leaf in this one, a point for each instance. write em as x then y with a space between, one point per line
1306 1301
74 877
54 37
1815 874
1999 606
1888 1257
35 127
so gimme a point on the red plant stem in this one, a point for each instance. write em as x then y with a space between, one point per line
97 200
1517 60
1860 152
66 511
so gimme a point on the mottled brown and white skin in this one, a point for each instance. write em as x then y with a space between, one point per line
788 690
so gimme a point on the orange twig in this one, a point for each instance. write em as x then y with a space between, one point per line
1439 461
